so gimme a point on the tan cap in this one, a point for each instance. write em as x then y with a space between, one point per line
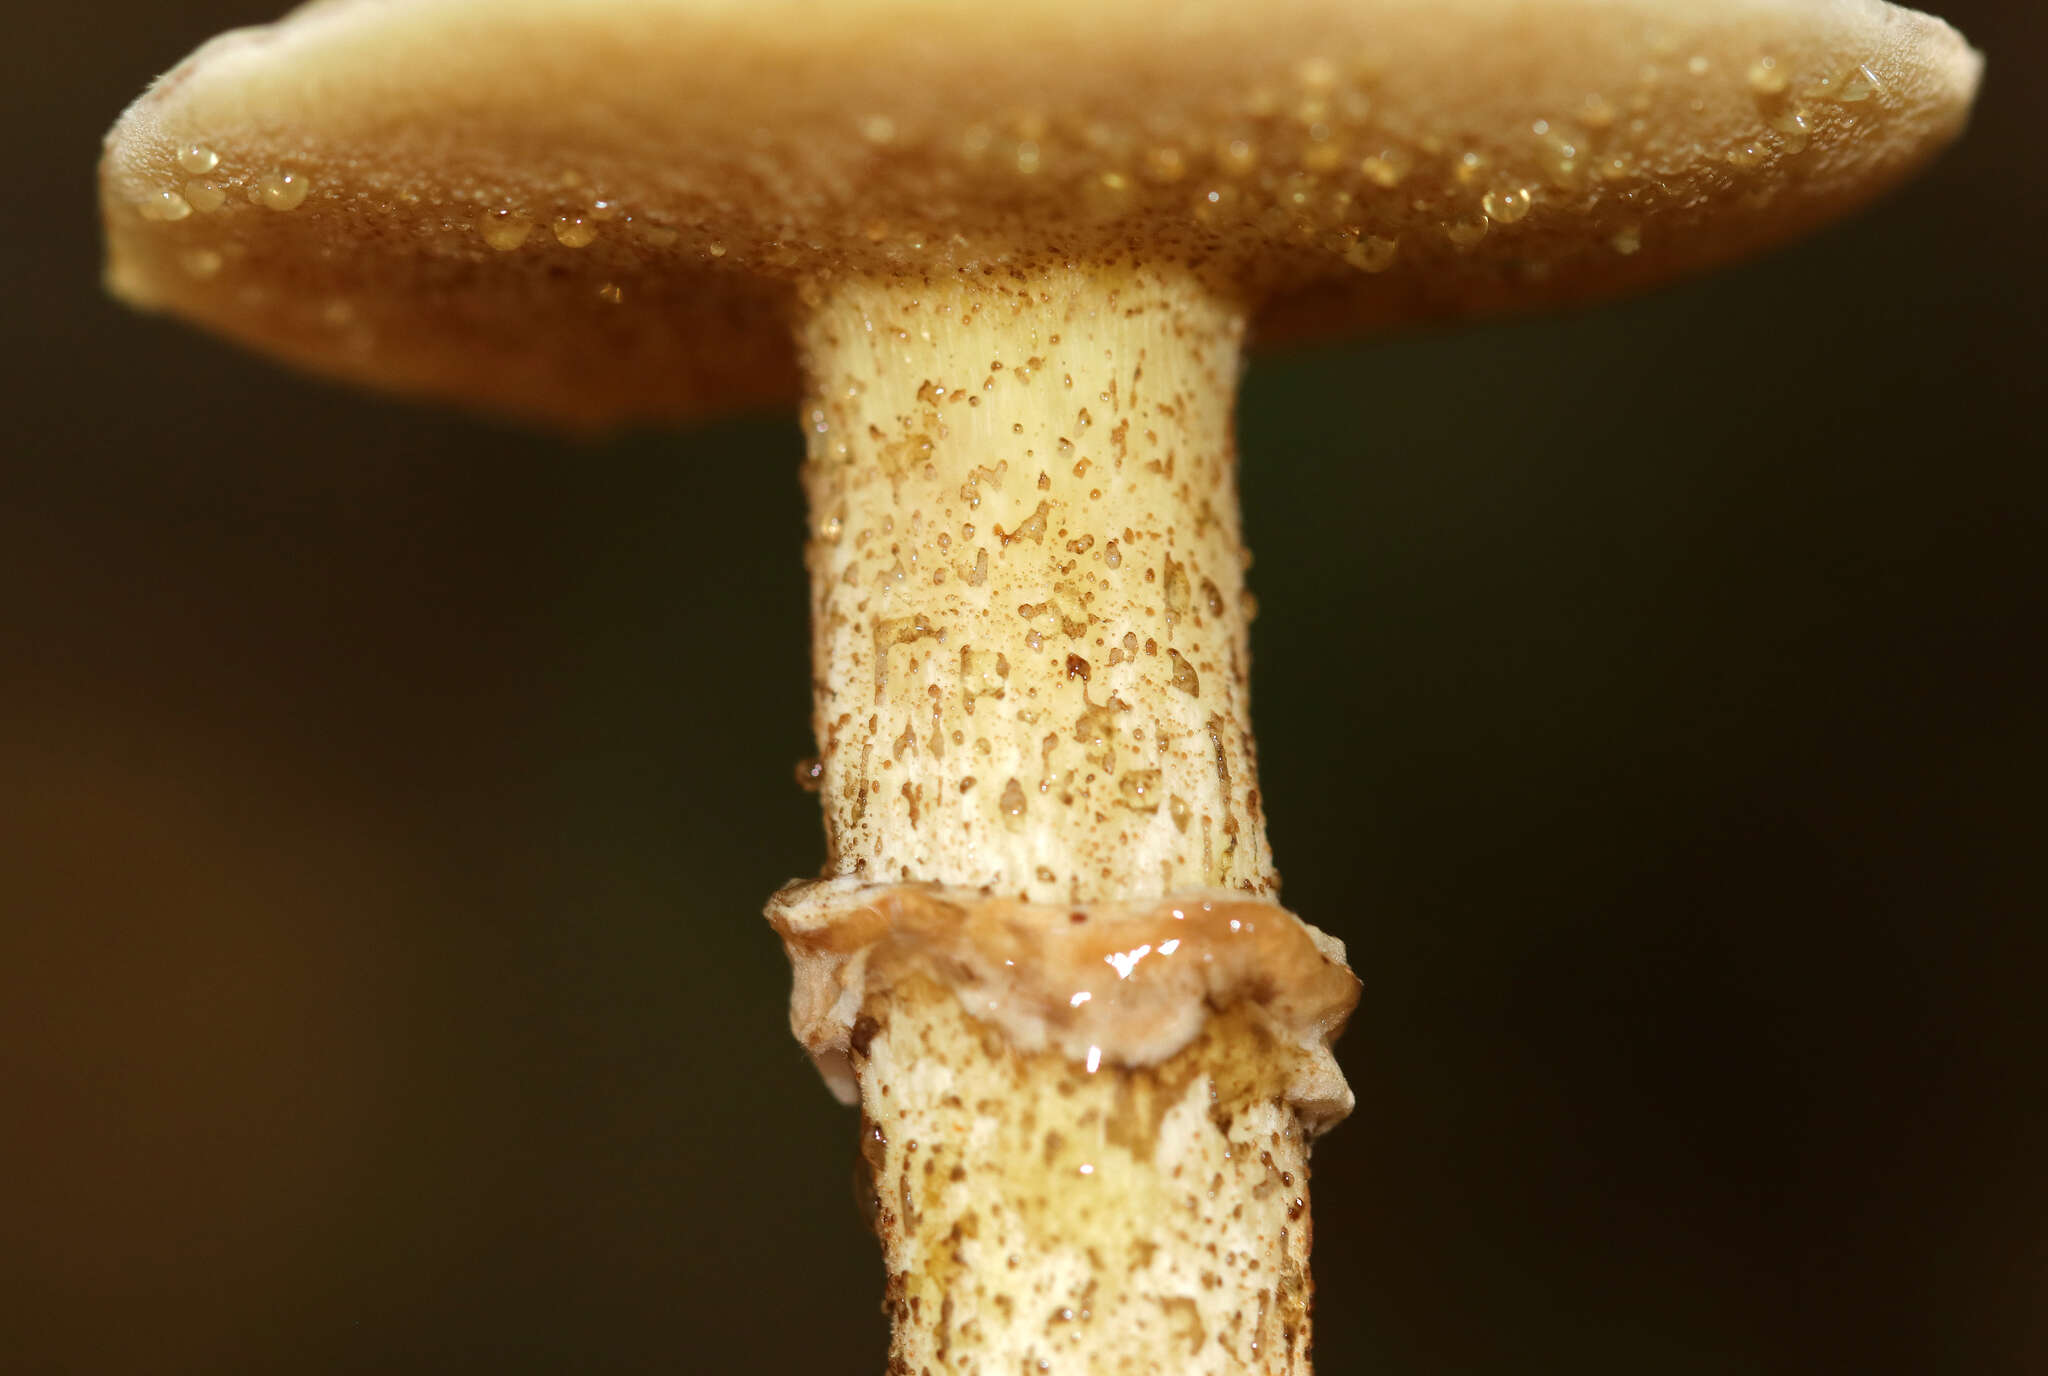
607 210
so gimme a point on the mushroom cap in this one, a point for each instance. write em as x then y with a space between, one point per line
606 211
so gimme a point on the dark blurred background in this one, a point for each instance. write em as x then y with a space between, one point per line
1653 700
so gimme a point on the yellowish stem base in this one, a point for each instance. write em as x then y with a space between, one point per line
1035 1217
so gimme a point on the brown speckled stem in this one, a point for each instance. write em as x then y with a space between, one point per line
1089 1048
1029 616
1036 1217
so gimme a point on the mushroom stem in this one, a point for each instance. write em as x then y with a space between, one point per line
1090 1049
1029 617
1036 1217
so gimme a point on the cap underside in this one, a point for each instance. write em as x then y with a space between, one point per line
607 211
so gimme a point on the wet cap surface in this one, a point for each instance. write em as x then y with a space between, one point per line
609 211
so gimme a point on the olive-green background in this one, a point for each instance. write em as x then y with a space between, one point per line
1652 699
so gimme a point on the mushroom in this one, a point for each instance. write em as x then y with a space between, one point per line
1009 259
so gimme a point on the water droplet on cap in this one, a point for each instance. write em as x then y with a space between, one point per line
1466 230
1858 83
1387 167
504 231
1766 77
1372 253
574 231
164 205
1506 206
205 197
281 190
197 157
1794 129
